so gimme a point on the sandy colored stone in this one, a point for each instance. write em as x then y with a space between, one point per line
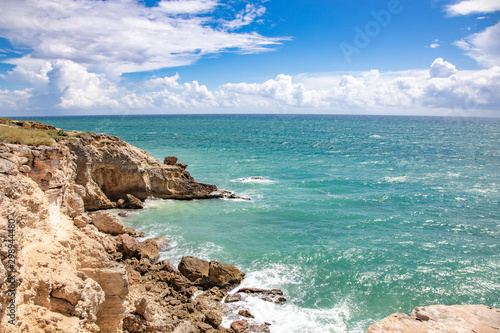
443 319
134 202
194 268
107 222
239 325
224 275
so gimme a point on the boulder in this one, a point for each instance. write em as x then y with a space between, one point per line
245 313
145 308
134 202
162 243
224 275
148 250
213 317
122 203
441 318
194 269
132 248
239 325
170 160
129 245
82 221
233 298
107 222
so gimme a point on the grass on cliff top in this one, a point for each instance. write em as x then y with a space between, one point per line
25 136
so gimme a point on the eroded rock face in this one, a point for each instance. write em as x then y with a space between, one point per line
67 279
441 318
110 169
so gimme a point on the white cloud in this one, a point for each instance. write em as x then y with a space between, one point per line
71 86
115 37
467 7
434 45
163 82
484 46
441 68
15 100
245 17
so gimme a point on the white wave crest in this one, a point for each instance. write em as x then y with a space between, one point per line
400 179
254 179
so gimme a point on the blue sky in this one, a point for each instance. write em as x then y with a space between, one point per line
432 57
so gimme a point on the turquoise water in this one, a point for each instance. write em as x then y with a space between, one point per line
354 217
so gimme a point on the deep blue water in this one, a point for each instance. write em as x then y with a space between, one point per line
355 217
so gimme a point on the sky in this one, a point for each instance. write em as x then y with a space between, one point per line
405 57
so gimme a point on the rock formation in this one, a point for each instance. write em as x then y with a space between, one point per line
441 318
67 266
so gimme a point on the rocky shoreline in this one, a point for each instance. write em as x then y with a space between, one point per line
71 266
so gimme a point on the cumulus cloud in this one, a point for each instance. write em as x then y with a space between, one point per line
68 85
467 7
441 68
484 46
115 37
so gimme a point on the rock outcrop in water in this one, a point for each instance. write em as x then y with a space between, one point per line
111 170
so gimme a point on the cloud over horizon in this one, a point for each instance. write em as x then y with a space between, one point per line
63 84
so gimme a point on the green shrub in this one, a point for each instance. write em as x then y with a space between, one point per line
62 133
57 135
25 136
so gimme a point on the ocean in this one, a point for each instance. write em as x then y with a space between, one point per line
353 217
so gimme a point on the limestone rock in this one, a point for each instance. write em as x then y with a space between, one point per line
110 168
232 298
148 249
7 167
224 275
441 318
194 269
245 313
170 160
82 221
134 202
145 308
129 245
239 325
107 222
269 295
24 169
185 327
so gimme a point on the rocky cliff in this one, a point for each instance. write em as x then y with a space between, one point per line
66 269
